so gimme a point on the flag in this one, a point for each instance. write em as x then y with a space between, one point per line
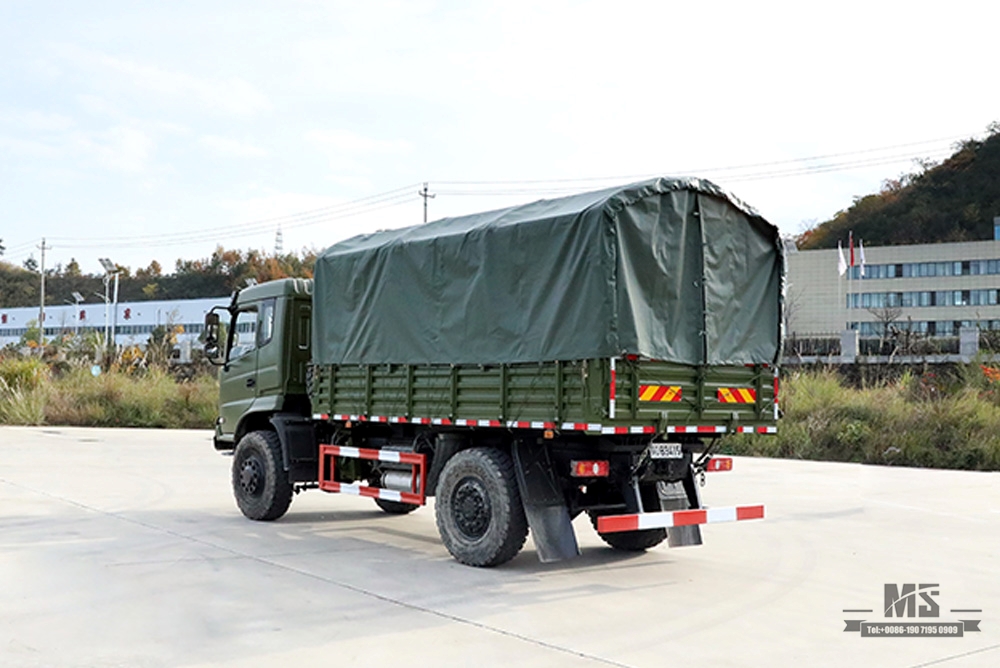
861 256
841 262
850 245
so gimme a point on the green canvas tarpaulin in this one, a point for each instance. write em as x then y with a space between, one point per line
671 269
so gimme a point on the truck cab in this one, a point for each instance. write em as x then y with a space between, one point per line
265 358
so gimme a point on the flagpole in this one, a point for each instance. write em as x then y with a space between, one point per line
841 268
840 301
850 273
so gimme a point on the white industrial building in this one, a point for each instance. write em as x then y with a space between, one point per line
133 322
931 289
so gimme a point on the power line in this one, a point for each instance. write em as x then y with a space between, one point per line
713 169
299 219
802 170
822 169
214 235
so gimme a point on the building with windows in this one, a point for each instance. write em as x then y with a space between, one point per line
931 289
133 321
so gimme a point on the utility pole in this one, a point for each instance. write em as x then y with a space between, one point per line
279 245
110 269
41 305
426 195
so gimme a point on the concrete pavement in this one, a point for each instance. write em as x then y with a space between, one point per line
125 548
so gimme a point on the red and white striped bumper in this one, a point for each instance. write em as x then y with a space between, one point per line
678 518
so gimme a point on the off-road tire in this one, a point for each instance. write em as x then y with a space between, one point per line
396 507
629 541
260 482
478 508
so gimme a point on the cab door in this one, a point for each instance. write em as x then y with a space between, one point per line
238 379
270 358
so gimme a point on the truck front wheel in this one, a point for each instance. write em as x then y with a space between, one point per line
260 482
478 508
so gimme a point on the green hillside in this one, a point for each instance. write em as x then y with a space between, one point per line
953 201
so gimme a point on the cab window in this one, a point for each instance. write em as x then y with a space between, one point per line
266 330
244 333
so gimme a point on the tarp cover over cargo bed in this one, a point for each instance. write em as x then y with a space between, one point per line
672 269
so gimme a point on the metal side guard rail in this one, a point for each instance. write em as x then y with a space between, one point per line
327 472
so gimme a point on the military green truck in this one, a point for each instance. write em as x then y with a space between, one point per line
522 366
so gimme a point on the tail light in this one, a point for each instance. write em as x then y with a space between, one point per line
591 468
719 464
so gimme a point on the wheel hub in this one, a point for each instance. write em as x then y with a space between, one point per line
251 474
471 507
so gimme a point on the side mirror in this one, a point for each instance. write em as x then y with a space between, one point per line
212 349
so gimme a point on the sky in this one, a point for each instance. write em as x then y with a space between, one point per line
160 130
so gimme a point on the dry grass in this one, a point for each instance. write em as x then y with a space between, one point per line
31 395
913 421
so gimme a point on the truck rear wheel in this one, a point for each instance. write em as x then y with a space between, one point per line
260 482
478 508
629 541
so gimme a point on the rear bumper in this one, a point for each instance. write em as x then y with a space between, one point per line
678 518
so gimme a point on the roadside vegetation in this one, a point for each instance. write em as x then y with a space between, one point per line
62 385
945 418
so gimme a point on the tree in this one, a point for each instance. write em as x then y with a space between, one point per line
154 270
31 264
885 317
2 247
887 331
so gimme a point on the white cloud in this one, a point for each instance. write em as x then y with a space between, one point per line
230 147
345 142
350 154
37 121
14 146
272 203
232 95
122 148
98 106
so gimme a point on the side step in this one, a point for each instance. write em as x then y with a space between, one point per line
677 518
328 468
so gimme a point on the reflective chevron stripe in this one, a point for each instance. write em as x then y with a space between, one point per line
736 395
659 393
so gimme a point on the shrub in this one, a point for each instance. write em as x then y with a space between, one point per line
150 397
23 373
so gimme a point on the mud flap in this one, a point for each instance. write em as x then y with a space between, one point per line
681 496
446 445
299 446
544 505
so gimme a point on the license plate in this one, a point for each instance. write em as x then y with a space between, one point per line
666 451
